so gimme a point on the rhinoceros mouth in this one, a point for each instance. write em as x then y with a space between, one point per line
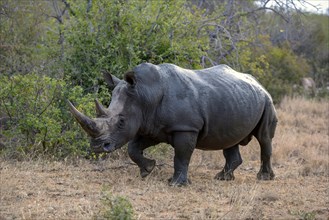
108 147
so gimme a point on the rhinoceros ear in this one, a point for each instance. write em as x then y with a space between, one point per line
130 78
111 80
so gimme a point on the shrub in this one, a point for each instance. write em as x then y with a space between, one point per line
115 207
277 68
39 122
118 35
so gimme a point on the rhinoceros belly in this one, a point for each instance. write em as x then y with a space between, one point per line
231 117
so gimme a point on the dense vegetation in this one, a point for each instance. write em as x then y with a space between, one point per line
54 50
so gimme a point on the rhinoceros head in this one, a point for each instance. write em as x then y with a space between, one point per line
116 125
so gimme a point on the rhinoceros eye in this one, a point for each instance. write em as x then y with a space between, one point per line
121 123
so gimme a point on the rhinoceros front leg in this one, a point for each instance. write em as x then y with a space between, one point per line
135 151
233 160
184 144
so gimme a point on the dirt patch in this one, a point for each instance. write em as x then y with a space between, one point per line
73 190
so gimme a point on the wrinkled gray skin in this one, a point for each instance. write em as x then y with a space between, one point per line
210 109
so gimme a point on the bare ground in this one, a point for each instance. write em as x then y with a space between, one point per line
74 189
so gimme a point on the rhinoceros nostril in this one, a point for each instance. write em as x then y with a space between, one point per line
108 147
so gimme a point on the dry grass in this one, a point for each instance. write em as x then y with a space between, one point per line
303 136
73 190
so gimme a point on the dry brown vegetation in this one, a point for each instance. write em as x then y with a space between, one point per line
74 190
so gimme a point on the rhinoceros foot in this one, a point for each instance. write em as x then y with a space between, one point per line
179 182
265 175
222 175
147 169
265 172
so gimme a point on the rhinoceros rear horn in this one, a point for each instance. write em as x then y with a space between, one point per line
86 123
100 109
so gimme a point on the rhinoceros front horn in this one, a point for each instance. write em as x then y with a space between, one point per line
86 123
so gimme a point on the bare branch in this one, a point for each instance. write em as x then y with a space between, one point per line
68 6
263 8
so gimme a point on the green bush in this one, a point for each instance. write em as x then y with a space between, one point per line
38 119
118 35
115 207
277 68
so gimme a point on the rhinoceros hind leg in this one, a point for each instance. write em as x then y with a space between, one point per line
233 160
265 172
264 133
